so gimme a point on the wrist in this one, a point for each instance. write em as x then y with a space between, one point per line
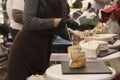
56 22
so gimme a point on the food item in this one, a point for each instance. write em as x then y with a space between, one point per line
103 44
91 49
77 57
75 52
99 29
77 63
102 37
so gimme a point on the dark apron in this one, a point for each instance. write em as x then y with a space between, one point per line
31 50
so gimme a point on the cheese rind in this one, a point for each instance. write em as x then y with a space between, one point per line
77 63
77 57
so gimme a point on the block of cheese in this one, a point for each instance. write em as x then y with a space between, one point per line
75 52
77 63
103 37
91 49
77 57
103 44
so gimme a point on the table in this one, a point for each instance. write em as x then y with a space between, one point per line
107 58
55 73
115 45
65 57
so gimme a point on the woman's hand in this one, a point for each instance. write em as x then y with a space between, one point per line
70 23
57 22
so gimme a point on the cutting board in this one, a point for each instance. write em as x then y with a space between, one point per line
105 53
90 68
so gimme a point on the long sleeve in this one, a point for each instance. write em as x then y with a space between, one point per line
17 11
30 20
17 16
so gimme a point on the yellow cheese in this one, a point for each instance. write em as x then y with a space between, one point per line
77 63
75 52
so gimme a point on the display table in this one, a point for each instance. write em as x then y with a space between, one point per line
115 45
65 57
59 57
107 58
55 73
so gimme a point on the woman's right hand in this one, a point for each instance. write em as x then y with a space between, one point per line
70 24
57 22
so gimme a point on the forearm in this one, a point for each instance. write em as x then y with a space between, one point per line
38 23
17 16
63 33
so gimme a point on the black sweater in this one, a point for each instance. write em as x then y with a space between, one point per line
35 17
35 9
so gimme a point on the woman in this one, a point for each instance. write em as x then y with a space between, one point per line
31 49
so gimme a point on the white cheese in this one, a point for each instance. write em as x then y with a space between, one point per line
103 37
91 49
103 44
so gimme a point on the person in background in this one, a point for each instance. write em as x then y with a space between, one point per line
31 49
15 9
5 19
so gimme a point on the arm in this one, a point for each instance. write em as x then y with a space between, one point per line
17 11
32 22
63 33
17 16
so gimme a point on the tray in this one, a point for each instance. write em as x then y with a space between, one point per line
90 68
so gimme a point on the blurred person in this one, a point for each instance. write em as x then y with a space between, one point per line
31 49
